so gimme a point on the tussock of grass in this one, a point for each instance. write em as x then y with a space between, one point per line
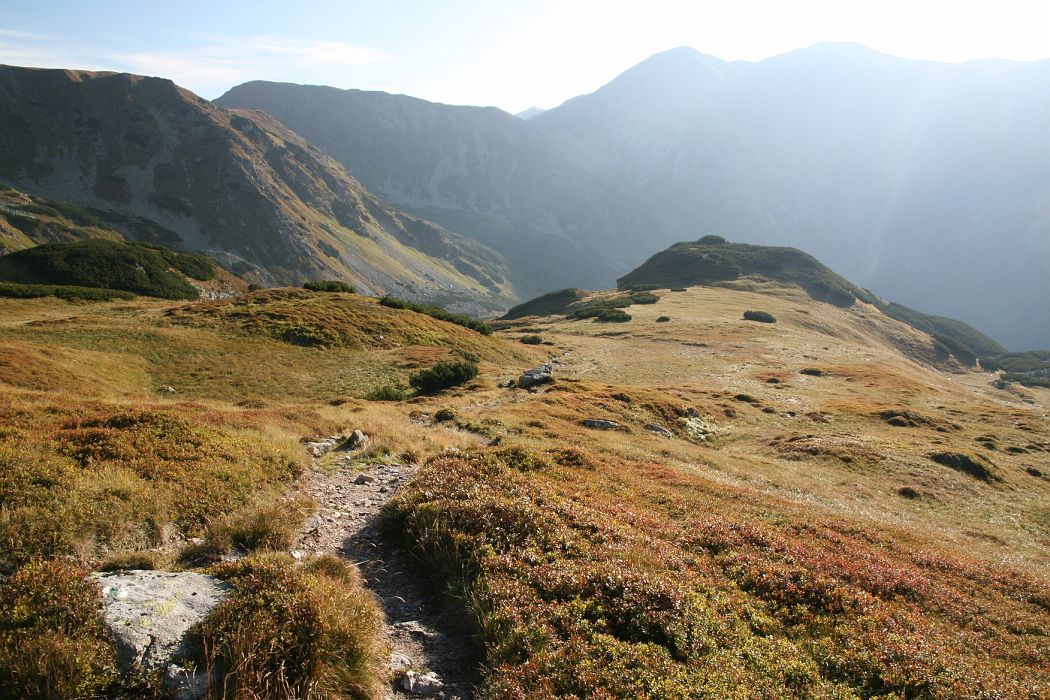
633 580
292 632
269 525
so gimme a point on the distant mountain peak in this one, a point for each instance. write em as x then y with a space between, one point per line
530 113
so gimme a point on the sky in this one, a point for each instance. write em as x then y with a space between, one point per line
511 54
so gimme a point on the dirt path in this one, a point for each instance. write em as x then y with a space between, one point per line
425 647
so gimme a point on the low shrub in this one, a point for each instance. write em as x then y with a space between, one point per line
68 292
760 316
531 340
329 286
141 560
295 632
812 372
307 335
389 392
444 415
442 376
53 642
438 313
612 316
663 319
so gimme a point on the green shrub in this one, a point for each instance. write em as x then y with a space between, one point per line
68 292
438 313
442 376
389 392
53 642
444 415
531 340
663 319
760 316
296 632
103 264
712 240
329 286
612 316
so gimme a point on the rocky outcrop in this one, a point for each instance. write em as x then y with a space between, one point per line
151 614
544 374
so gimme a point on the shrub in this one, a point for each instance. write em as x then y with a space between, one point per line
295 632
760 316
390 392
812 372
444 415
612 316
329 286
132 267
438 313
712 240
531 340
68 292
547 304
663 319
442 376
53 642
307 335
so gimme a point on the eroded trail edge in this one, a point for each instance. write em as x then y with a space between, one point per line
430 656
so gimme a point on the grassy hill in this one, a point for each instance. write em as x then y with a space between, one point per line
140 268
713 259
697 507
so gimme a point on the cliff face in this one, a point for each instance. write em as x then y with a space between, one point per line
233 183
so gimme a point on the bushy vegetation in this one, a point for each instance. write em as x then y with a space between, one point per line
953 337
663 319
531 340
608 579
388 392
329 286
438 313
547 304
712 259
67 292
1030 369
87 478
290 632
132 267
53 642
760 316
612 316
443 375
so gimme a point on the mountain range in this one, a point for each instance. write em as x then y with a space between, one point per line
927 182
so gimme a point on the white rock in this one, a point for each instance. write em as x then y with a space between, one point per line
421 684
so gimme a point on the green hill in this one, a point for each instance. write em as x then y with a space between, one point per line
713 259
139 268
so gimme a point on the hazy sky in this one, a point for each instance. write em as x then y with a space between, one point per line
511 54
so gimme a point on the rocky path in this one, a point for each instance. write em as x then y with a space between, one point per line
429 658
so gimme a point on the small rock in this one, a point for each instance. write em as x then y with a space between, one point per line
422 684
600 424
169 390
399 662
544 374
357 439
364 479
383 489
312 523
413 628
659 430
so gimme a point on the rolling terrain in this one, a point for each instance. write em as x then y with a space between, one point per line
697 505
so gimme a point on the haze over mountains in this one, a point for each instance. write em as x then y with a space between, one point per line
927 182
164 165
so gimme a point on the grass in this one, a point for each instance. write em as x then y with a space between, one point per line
291 632
954 337
547 304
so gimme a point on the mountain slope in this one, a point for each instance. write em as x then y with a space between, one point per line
558 215
925 182
236 184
